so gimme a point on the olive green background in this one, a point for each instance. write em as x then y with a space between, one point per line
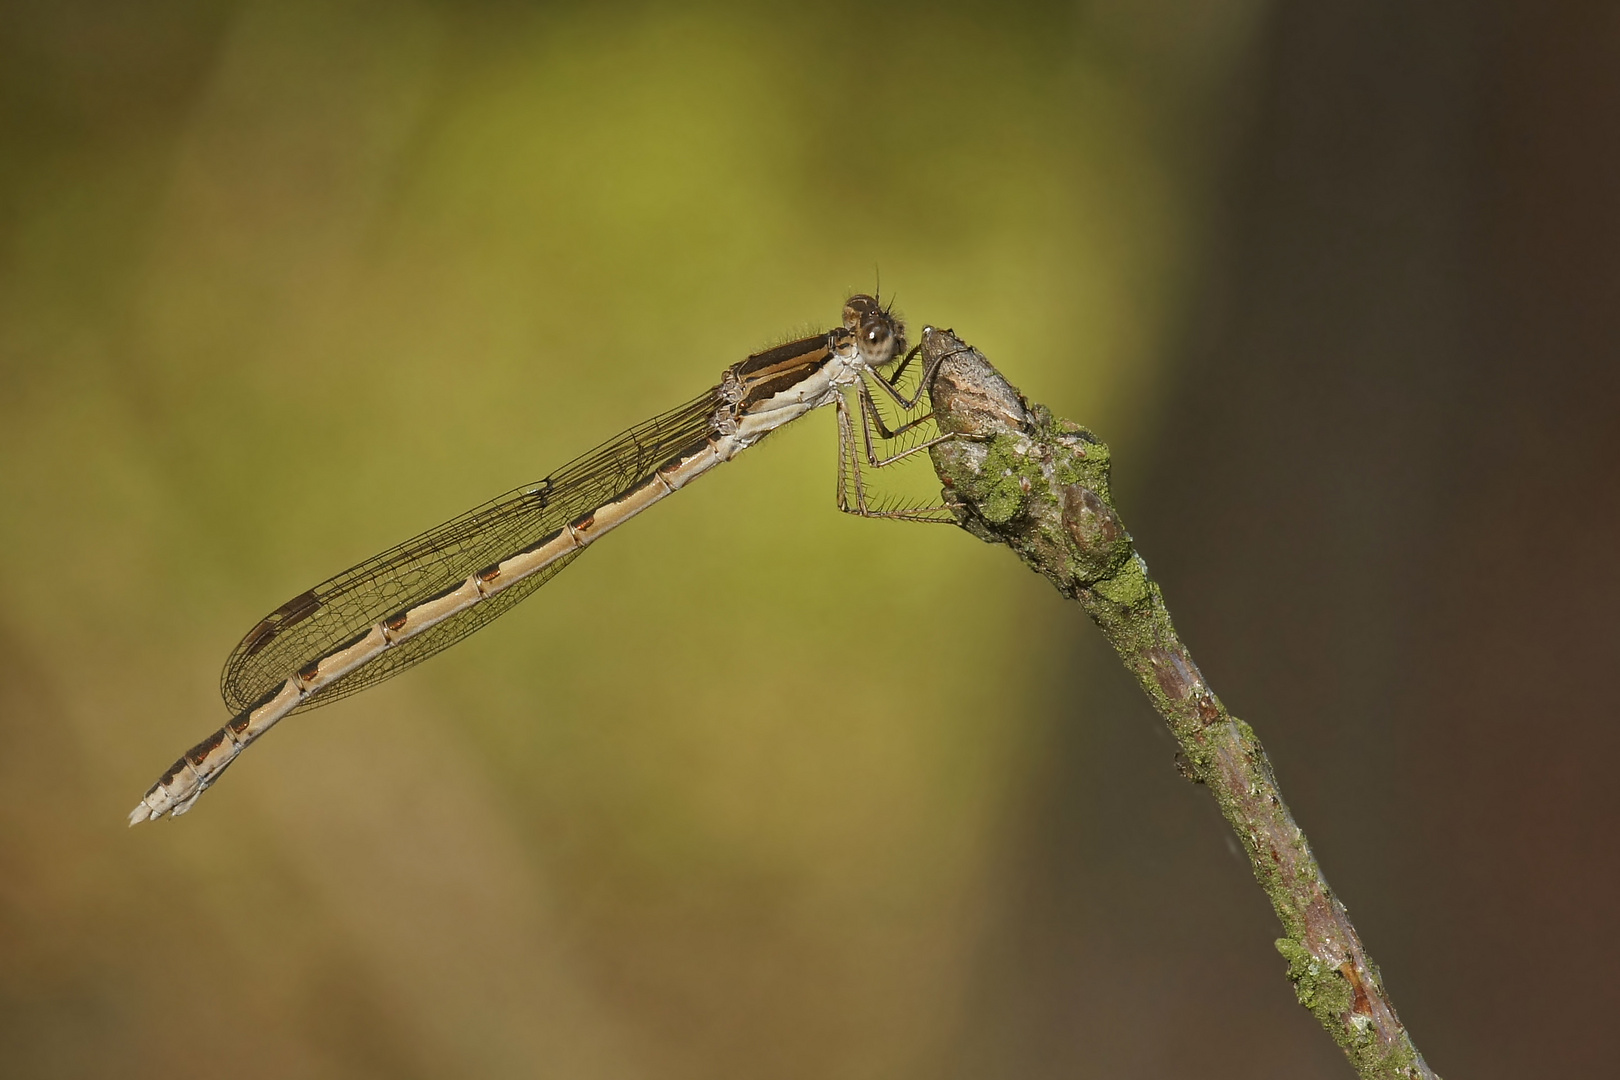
756 788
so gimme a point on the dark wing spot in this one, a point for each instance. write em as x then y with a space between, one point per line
291 613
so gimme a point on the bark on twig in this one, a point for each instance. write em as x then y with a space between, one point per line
1040 486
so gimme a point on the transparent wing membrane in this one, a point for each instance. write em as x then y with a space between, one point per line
316 622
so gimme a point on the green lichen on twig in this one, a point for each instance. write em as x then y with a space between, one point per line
1040 486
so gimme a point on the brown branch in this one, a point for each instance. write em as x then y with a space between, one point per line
1040 486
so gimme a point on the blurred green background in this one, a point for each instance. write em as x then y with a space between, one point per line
281 284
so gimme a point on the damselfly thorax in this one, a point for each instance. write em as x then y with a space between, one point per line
401 606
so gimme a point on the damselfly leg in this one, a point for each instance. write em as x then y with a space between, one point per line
875 429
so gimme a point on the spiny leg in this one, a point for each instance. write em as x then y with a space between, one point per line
849 471
900 372
891 385
870 417
847 463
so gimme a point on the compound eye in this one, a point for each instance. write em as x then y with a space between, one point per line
877 342
857 309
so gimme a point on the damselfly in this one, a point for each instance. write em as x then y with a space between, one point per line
398 608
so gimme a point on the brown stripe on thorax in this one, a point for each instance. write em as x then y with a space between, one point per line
766 374
791 353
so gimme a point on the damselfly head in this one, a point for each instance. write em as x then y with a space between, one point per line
880 334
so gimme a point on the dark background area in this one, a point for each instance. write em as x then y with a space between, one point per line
1340 283
1385 509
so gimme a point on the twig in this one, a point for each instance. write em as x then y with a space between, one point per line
1040 486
